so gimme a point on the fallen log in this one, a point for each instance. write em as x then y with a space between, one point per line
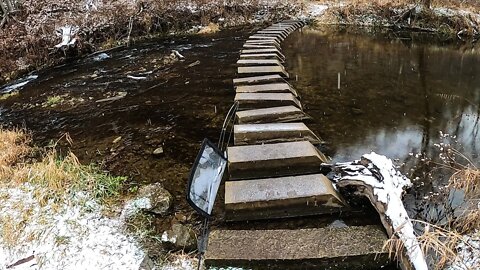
375 177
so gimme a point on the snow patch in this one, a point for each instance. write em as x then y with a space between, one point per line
73 235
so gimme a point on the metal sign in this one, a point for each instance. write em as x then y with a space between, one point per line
205 178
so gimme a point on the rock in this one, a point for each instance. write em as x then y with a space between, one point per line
117 140
152 198
147 264
180 237
158 151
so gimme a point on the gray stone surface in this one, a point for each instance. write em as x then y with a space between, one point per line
272 160
258 37
282 33
180 236
273 133
258 46
270 42
262 56
292 196
254 70
253 51
259 62
270 115
258 79
266 88
266 100
272 34
352 248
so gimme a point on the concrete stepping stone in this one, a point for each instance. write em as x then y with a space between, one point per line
273 160
265 100
258 37
272 33
353 247
267 36
258 79
259 62
254 51
258 46
273 133
267 88
292 196
258 70
262 56
263 42
271 115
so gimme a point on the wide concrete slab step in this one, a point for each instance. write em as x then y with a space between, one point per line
262 56
271 115
253 51
276 32
291 196
347 248
266 88
259 37
260 70
259 62
266 100
273 160
258 46
256 41
258 79
245 134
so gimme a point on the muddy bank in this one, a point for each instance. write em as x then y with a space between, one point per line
30 32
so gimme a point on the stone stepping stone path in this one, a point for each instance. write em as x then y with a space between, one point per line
298 249
281 114
273 133
265 100
269 198
266 88
274 173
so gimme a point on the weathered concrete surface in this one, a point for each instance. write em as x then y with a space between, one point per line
258 79
266 88
282 197
258 37
348 248
256 41
253 51
273 32
265 100
257 46
259 62
263 56
273 133
271 115
272 160
258 70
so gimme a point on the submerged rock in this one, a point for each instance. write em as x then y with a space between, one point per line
158 151
180 237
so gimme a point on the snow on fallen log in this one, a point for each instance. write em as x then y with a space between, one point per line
375 177
67 32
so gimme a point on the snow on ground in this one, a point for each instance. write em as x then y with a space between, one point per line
468 256
64 236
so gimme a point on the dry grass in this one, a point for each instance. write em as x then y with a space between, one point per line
13 146
56 176
440 243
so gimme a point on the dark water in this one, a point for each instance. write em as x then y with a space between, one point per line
400 96
174 107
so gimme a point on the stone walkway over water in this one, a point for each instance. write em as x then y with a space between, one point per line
274 173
